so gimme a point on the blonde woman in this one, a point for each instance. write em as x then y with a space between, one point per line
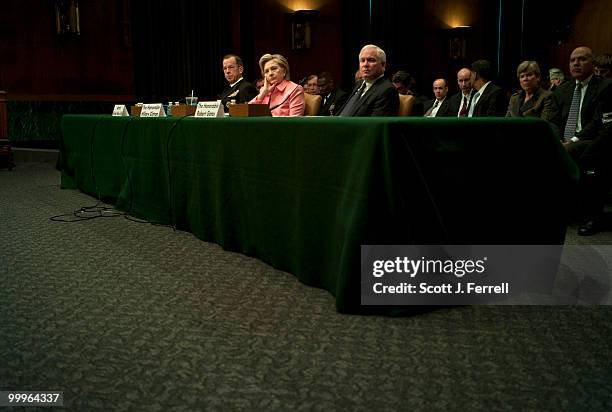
284 97
532 100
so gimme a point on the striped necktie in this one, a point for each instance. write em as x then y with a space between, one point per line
574 112
464 107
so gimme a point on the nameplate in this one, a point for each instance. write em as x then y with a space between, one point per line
152 110
120 110
209 109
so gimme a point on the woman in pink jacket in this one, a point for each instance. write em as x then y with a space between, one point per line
284 97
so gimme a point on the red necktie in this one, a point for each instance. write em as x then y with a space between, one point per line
464 108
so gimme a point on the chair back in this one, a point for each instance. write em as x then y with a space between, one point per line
406 103
312 104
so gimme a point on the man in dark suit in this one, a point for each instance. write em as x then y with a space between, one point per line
489 99
459 103
438 107
585 126
373 95
583 104
332 96
237 89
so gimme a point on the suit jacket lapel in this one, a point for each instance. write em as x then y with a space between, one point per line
368 96
483 98
529 105
588 98
443 108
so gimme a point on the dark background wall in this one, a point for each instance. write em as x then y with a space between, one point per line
136 49
266 28
36 63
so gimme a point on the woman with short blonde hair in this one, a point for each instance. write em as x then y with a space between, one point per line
532 100
284 97
279 58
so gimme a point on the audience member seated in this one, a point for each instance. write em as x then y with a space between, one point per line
439 106
332 96
532 100
489 99
258 83
238 89
374 95
582 106
312 85
603 65
406 85
459 103
556 77
284 97
595 164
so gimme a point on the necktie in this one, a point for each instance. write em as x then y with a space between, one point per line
432 108
574 112
353 102
464 108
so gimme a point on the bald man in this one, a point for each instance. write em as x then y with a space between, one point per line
459 103
582 103
438 107
590 91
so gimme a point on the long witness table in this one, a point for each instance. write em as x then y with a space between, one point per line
303 194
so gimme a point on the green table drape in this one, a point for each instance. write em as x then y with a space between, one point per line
303 194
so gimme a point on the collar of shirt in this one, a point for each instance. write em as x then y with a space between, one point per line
483 88
584 83
369 84
478 95
236 82
282 85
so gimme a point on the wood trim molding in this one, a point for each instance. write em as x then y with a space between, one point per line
119 98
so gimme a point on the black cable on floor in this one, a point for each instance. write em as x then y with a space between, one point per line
97 211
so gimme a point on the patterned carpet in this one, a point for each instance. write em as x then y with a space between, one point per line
122 315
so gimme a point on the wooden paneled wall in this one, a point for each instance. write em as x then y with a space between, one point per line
589 27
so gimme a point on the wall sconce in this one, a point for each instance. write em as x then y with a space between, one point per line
301 21
458 42
67 17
